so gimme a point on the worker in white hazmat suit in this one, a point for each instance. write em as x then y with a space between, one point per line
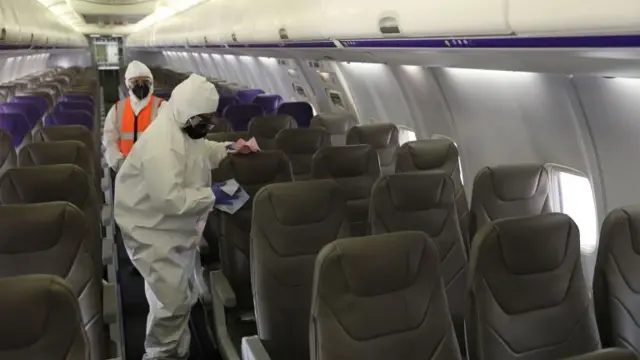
163 194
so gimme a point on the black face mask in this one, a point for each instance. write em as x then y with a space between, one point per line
197 131
141 91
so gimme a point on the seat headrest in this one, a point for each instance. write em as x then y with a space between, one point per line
15 126
228 136
299 110
334 123
257 168
513 182
269 126
39 184
345 161
622 224
531 245
418 191
248 95
38 227
423 155
33 307
57 152
241 115
6 147
376 265
302 140
65 133
379 136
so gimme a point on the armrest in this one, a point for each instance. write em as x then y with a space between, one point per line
252 349
107 250
607 354
109 303
221 289
106 215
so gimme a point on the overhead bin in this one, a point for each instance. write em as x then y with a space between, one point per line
571 17
262 21
410 18
10 31
304 20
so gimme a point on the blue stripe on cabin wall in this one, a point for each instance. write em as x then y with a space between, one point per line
595 41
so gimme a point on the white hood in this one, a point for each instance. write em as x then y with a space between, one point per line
138 69
192 97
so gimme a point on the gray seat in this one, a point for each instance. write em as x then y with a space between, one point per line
437 154
221 125
252 172
336 125
508 191
300 145
528 298
384 138
355 168
58 152
266 128
381 297
228 136
62 182
8 156
607 354
49 238
616 283
292 222
40 319
425 202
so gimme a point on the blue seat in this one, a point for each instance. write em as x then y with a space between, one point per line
28 110
74 117
300 110
240 115
15 125
248 95
268 102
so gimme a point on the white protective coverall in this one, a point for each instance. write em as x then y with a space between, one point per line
162 193
111 135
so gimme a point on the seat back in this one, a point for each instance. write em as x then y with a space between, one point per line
607 354
425 202
268 102
299 110
57 152
71 117
381 297
336 124
61 182
508 191
616 282
224 102
300 145
252 172
8 156
266 128
28 110
40 319
528 298
49 238
247 96
437 154
292 222
18 127
355 168
241 115
228 136
384 138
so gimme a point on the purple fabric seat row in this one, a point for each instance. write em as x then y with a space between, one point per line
15 125
240 115
269 102
40 102
71 117
77 97
76 106
300 110
29 112
247 96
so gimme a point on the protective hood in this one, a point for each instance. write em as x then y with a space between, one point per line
138 69
192 97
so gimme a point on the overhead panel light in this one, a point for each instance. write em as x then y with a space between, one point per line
164 10
64 12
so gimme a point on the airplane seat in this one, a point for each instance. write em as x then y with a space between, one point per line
425 202
66 106
41 102
379 298
222 125
17 126
40 319
266 128
49 238
268 102
241 115
47 94
528 295
29 110
299 110
224 102
247 96
228 136
292 223
336 124
252 172
508 191
384 138
616 284
607 354
437 154
8 156
75 117
7 91
70 97
356 168
61 182
300 145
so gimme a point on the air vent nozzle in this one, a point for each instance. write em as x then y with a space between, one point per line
284 35
389 25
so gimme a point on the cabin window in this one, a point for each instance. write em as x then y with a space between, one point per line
406 134
572 194
438 136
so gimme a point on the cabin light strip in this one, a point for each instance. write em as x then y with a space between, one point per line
595 41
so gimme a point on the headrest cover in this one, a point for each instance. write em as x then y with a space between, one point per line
379 136
335 123
534 244
515 182
423 155
302 141
345 161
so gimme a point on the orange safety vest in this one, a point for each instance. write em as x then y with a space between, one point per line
132 126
